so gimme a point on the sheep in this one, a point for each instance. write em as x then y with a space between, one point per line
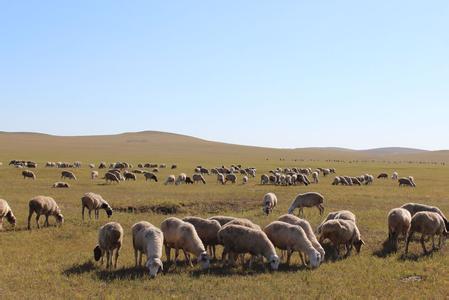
102 165
111 177
428 224
301 178
197 178
290 237
269 203
182 235
220 178
399 220
342 232
28 174
240 240
68 174
43 205
395 175
130 176
368 179
264 179
207 230
148 240
307 200
60 184
315 177
181 179
95 202
382 176
243 222
91 166
230 177
93 174
173 167
6 212
245 179
222 219
413 208
170 179
407 181
338 215
336 181
110 240
305 225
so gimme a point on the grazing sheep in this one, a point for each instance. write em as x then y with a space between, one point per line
399 220
181 179
315 177
111 177
428 224
173 167
207 230
93 174
220 178
269 203
336 181
305 225
342 232
310 199
338 215
197 178
130 176
413 208
230 177
91 166
406 181
28 174
243 222
148 240
102 165
182 235
222 219
60 184
150 176
264 179
170 179
110 240
68 174
43 205
245 179
240 240
95 202
382 176
369 179
395 175
292 238
6 212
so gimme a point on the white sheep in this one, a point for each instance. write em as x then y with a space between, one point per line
220 178
110 240
207 230
170 179
407 181
335 215
245 179
42 205
93 174
269 202
68 174
413 208
182 235
60 184
399 220
395 175
243 222
6 212
94 202
305 225
264 179
222 219
181 179
315 176
342 232
197 178
292 238
310 199
428 224
240 240
148 240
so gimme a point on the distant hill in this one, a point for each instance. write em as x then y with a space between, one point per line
153 145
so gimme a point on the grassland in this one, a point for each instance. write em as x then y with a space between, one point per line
57 262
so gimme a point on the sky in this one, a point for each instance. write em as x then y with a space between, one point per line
355 74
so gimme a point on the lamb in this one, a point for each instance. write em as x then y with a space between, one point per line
43 205
150 176
207 230
428 224
413 208
94 202
170 179
181 179
342 232
222 219
197 178
240 240
264 179
60 184
305 225
269 203
110 240
395 175
182 235
93 174
307 200
28 174
407 181
290 237
6 212
68 174
220 178
230 177
148 240
338 215
243 222
399 221
111 177
315 177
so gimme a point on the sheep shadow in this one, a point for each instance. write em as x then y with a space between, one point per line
128 273
79 269
387 249
416 257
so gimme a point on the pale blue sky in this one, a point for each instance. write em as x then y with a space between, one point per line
356 74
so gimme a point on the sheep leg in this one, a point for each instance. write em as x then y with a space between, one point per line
289 254
46 221
136 254
176 255
90 214
116 257
423 244
108 257
82 212
407 241
167 253
37 220
302 258
29 220
187 256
